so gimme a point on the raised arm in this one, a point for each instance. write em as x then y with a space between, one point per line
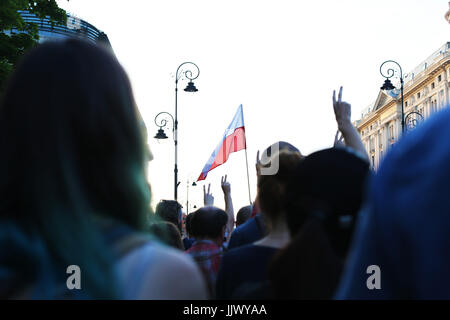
208 198
343 112
226 188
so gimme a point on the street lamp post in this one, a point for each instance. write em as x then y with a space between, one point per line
161 122
389 86
187 196
190 74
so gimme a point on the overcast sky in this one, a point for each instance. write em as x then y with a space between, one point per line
280 59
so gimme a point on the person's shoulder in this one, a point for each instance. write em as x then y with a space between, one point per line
163 273
160 255
250 224
249 253
236 258
235 238
248 227
238 252
246 257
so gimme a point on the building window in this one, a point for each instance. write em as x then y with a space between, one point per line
439 78
432 85
391 133
373 161
434 105
406 103
418 95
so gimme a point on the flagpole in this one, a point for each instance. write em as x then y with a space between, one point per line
246 163
248 177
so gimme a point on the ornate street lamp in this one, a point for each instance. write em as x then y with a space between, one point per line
389 86
161 122
190 74
187 195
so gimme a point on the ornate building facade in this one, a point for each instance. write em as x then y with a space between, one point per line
426 91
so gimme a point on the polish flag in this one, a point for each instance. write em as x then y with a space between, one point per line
233 140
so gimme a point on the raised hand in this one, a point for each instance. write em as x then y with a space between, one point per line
208 198
258 164
226 187
338 141
342 111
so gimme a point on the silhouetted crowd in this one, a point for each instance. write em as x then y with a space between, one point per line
74 196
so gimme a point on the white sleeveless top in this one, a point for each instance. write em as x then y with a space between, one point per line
155 271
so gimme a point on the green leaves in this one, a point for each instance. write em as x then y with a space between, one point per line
9 17
18 36
47 8
5 70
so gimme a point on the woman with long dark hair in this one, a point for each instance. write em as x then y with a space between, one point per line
73 188
323 198
243 270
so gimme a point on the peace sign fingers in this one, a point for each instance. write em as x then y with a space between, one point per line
226 187
208 198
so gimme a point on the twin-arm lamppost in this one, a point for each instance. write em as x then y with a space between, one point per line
413 117
161 122
389 86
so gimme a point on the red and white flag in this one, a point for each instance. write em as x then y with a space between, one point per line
233 140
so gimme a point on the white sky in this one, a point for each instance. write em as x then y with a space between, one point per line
280 59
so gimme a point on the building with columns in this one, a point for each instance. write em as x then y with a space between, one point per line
426 91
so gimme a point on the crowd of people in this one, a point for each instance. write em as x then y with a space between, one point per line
73 191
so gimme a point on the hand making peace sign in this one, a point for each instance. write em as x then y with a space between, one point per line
208 198
342 111
226 187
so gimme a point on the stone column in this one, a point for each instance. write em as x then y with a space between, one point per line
375 141
398 129
446 99
385 137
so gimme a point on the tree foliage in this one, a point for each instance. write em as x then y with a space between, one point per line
16 35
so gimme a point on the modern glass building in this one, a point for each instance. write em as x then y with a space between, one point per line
75 28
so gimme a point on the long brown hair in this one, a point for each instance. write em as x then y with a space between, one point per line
271 188
72 150
313 262
322 202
